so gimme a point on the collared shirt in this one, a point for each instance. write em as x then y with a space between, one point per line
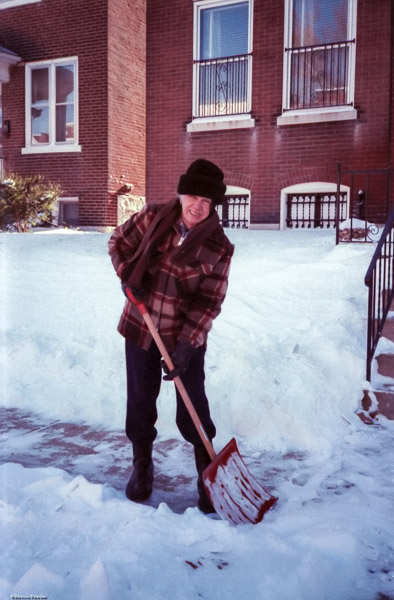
182 299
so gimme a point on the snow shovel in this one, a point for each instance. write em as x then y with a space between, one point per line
233 491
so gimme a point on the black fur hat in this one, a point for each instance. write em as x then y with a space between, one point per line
203 178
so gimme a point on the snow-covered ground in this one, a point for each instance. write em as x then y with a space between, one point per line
285 373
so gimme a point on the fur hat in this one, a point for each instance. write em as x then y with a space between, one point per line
203 178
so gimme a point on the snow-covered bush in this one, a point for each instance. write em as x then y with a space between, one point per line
26 201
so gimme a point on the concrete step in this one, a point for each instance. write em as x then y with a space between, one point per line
388 329
385 404
386 365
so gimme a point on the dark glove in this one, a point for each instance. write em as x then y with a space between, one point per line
139 294
180 357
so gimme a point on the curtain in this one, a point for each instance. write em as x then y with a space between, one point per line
319 22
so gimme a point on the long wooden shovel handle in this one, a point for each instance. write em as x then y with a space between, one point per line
167 359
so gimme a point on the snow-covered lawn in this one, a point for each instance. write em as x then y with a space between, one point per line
285 373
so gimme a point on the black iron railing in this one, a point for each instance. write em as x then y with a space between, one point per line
319 75
380 282
222 86
370 201
314 210
234 211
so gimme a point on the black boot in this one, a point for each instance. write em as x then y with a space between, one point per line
202 461
139 487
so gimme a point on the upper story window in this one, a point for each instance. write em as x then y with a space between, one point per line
52 106
222 58
319 58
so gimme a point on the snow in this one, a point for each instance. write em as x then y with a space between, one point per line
285 373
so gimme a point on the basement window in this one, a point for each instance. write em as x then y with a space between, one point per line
313 205
66 212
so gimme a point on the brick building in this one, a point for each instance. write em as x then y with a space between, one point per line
277 92
73 100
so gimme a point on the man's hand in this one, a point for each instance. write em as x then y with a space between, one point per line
180 357
139 294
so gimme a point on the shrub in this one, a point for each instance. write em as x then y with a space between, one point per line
26 201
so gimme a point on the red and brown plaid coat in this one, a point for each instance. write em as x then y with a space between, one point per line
183 298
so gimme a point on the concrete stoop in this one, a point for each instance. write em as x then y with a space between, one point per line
380 399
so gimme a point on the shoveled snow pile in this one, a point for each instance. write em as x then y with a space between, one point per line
285 372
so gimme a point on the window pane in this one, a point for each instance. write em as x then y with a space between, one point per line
65 84
39 125
224 31
319 22
65 103
39 86
65 123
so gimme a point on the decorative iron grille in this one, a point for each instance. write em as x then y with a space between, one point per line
314 210
371 198
319 75
234 211
223 86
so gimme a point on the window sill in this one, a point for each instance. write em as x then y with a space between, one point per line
10 3
51 149
219 123
317 115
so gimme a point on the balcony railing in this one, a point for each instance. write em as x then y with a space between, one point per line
318 76
223 86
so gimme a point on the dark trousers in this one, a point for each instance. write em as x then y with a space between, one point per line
144 376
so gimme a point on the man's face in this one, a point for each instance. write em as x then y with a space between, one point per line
194 209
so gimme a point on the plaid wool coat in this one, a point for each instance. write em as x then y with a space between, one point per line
182 297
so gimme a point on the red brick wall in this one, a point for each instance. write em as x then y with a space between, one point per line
111 108
127 96
267 157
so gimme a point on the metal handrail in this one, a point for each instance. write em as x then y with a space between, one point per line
380 282
321 45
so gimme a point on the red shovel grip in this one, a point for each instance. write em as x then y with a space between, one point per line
139 303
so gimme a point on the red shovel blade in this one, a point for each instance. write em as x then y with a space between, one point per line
234 493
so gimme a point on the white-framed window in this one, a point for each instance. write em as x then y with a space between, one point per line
52 106
319 60
222 76
10 3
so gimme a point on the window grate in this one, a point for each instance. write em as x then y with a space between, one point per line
314 210
234 212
